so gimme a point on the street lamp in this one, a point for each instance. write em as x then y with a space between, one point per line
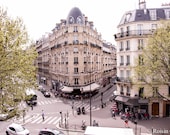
135 122
90 102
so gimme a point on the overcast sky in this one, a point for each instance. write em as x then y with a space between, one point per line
40 16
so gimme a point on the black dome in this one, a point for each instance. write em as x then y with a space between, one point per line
75 16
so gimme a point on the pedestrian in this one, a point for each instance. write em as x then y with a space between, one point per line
126 123
113 114
43 118
94 122
31 106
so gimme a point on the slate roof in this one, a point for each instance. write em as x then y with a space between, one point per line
144 15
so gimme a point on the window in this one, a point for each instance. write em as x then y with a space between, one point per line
141 91
121 32
121 60
75 60
152 14
76 81
167 13
127 45
128 74
127 30
155 91
75 29
75 50
128 60
140 44
141 62
121 73
154 26
139 29
76 70
128 90
121 46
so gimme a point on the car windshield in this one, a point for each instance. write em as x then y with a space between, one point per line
20 128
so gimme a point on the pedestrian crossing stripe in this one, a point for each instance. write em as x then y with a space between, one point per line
85 105
48 102
38 119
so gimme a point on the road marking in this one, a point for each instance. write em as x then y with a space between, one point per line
52 120
37 120
47 120
57 120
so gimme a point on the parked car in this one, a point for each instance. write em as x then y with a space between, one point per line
16 129
3 116
47 94
47 131
8 113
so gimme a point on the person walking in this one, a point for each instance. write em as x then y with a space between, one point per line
43 118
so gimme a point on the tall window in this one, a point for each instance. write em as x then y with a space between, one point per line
141 91
139 29
152 14
75 60
155 91
76 81
140 44
128 74
167 13
75 29
75 50
76 70
121 46
121 32
121 60
141 61
154 26
128 60
121 73
127 45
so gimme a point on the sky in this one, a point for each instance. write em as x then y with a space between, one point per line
41 16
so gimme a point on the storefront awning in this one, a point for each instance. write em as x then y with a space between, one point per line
132 102
91 87
66 89
122 99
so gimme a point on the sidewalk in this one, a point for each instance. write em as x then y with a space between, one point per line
75 122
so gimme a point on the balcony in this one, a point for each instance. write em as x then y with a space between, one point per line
133 33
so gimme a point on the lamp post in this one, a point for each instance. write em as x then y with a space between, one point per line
135 122
90 102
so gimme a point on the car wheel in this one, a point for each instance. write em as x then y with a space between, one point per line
7 133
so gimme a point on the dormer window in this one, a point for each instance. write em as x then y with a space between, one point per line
127 18
152 14
167 14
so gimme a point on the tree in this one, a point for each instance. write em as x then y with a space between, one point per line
17 69
153 66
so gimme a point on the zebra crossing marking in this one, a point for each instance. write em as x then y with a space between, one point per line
49 102
55 118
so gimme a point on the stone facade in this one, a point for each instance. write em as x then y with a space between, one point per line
74 54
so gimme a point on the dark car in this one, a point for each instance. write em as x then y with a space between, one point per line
47 131
47 94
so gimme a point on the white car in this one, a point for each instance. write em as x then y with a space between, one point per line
16 129
3 116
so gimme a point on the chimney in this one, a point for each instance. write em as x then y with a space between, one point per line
142 4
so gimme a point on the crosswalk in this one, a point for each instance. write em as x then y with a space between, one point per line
52 120
80 104
49 101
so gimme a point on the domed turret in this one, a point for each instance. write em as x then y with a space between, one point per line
75 16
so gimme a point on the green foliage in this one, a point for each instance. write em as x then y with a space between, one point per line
17 69
156 56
